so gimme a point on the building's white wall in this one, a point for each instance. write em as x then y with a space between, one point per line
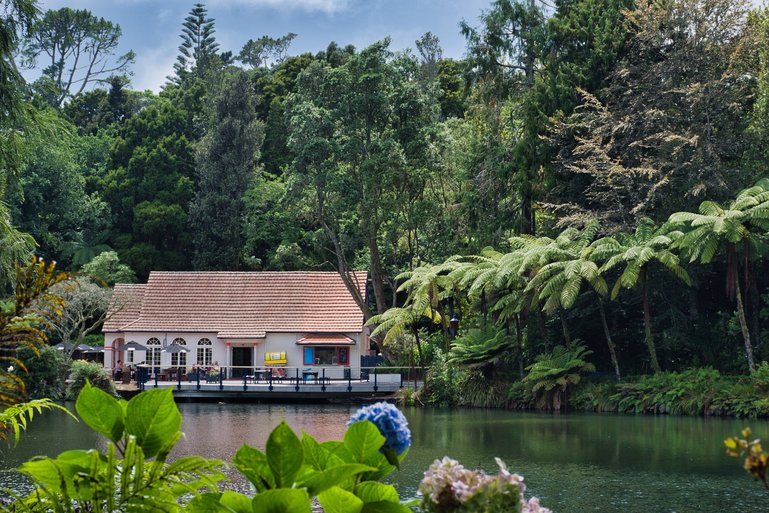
222 350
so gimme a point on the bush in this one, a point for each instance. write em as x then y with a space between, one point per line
46 372
81 371
690 392
442 381
480 392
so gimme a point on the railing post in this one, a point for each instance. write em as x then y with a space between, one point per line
323 380
178 378
376 387
349 380
270 387
297 379
245 386
156 379
197 375
221 378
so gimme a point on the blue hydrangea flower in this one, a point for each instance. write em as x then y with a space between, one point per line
390 422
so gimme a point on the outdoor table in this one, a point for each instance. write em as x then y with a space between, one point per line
313 374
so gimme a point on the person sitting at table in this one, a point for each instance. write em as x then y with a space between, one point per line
119 371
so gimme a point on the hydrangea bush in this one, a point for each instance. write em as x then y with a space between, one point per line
448 487
392 424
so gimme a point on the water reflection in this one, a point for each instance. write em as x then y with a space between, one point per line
576 463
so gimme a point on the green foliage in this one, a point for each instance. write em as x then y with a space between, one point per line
46 372
291 471
82 372
478 391
106 268
22 321
480 347
225 169
14 419
143 431
553 374
442 384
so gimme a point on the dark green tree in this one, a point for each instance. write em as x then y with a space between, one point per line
225 168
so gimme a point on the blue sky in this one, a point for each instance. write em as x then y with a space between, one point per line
151 28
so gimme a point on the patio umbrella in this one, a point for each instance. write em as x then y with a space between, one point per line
95 349
61 346
175 348
84 348
131 346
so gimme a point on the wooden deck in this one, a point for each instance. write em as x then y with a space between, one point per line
331 390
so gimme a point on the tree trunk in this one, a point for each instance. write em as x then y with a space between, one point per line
743 323
519 338
565 327
754 304
648 337
377 277
609 341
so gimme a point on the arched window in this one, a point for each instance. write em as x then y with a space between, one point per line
153 352
179 359
205 352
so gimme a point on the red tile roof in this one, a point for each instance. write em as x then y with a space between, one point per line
124 306
248 304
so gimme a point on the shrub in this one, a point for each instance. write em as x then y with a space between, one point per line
594 397
442 383
690 392
81 372
554 374
480 392
46 372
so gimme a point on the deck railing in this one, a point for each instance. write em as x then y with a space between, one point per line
149 376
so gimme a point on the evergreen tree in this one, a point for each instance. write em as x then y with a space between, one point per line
225 169
198 46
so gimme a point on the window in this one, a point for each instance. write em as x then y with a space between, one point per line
205 352
153 352
326 356
179 359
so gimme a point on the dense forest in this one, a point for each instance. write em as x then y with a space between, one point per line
588 181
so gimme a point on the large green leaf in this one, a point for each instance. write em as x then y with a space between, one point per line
102 412
363 440
371 491
53 472
284 455
284 500
252 463
337 500
320 481
154 419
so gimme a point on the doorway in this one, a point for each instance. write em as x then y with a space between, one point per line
242 357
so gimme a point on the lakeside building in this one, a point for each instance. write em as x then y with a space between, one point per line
240 320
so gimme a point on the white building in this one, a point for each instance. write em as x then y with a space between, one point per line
239 319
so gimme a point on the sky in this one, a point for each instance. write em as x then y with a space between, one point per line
151 28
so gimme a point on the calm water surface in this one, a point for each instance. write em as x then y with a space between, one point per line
574 463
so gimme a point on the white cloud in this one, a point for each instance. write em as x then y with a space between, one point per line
155 65
325 6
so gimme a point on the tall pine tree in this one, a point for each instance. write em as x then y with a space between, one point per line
225 168
198 46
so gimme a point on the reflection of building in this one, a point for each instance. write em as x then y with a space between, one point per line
247 319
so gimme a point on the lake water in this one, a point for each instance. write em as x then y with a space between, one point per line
574 463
